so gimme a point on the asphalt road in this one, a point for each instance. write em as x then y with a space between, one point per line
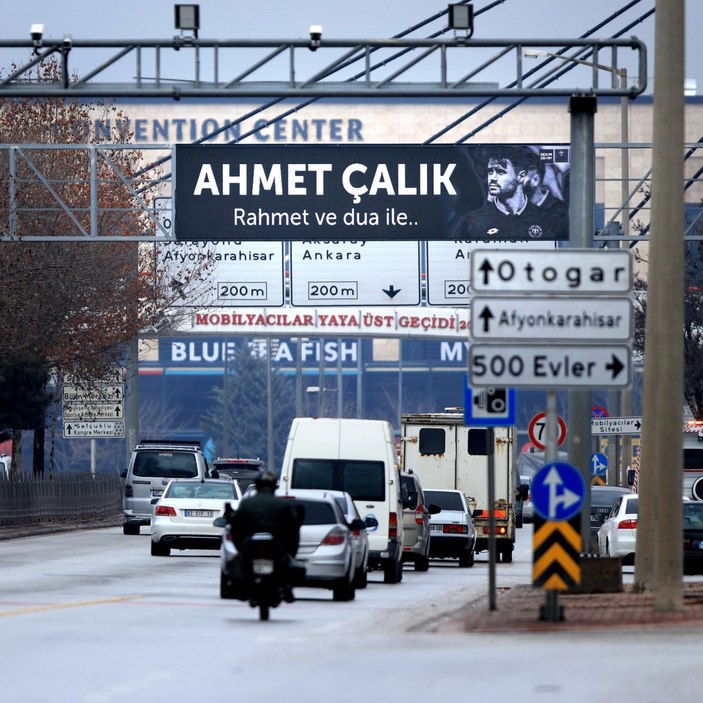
90 616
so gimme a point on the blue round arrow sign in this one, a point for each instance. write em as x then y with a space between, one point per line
558 491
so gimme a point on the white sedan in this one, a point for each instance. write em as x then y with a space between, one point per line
183 516
617 535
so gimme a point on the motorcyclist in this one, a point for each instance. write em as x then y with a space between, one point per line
265 512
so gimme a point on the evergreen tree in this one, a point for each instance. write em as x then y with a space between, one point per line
238 417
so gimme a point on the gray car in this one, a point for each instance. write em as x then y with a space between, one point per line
416 522
152 465
453 529
326 549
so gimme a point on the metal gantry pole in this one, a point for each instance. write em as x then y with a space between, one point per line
581 226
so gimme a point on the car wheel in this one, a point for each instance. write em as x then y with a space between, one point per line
159 550
392 571
466 560
361 577
422 563
225 588
130 529
507 554
344 590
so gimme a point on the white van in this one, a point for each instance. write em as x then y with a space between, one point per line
359 457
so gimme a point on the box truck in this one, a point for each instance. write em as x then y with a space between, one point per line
445 453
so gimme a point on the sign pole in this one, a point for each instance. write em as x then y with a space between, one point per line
551 610
491 520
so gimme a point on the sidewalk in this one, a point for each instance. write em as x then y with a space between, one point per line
518 610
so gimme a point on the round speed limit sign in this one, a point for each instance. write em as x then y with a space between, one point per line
537 431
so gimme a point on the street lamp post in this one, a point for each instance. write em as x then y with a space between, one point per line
618 401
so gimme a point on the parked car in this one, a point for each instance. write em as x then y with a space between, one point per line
617 535
152 465
243 470
692 537
602 500
184 514
326 549
452 528
360 538
416 522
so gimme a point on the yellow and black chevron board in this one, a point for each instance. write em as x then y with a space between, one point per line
556 550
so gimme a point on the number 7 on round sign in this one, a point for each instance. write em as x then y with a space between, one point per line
537 430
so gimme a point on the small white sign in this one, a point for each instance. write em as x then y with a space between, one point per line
98 393
106 429
573 271
616 425
355 273
558 318
93 411
113 375
448 267
549 365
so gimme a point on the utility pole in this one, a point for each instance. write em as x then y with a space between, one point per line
659 555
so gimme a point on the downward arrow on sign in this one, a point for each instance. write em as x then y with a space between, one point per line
391 292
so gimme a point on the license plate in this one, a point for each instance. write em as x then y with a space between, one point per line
435 528
262 567
198 513
156 494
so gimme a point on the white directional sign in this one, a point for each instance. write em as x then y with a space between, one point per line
448 267
113 375
355 273
616 425
98 393
93 411
233 273
558 318
572 271
110 429
549 365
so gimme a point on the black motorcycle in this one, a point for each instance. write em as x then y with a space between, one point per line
262 573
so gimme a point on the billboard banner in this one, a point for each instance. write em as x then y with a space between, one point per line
492 192
420 322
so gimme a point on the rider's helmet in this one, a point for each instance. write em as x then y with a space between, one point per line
266 480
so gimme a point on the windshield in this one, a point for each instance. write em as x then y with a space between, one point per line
363 480
165 464
445 499
198 489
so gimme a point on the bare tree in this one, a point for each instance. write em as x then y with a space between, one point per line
75 305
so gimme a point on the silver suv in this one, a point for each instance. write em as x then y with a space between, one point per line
152 465
416 522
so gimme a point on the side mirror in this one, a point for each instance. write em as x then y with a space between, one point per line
478 513
412 500
523 491
214 473
370 521
357 524
123 473
220 522
154 501
433 509
630 477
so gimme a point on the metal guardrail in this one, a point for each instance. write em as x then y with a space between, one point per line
63 498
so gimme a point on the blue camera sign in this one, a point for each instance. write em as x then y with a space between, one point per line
489 407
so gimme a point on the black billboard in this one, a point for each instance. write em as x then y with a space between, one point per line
489 192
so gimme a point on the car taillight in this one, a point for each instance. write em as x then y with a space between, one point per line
129 491
420 514
628 525
392 525
165 510
227 536
334 537
455 529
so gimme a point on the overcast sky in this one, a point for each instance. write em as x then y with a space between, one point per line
344 19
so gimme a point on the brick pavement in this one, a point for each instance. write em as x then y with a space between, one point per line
518 610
